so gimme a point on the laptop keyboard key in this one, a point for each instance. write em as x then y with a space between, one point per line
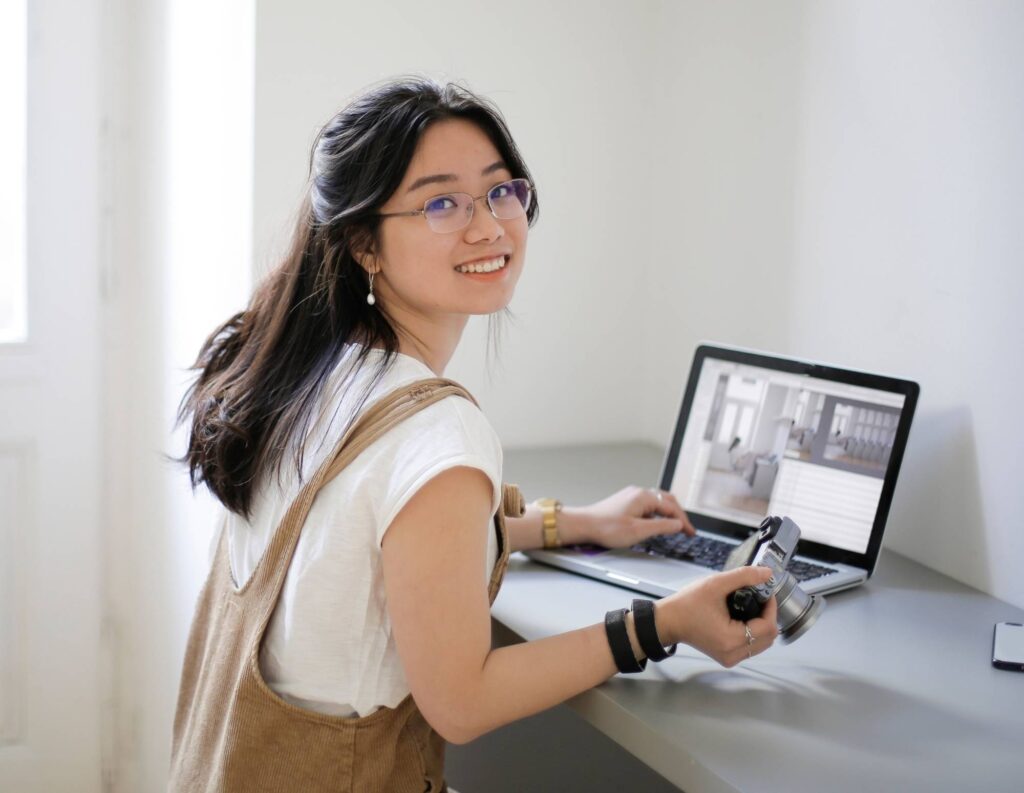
712 553
805 571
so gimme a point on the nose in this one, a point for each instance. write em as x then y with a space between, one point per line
483 225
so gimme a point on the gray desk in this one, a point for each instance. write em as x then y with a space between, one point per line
892 690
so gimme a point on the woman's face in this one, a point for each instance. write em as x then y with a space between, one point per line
417 278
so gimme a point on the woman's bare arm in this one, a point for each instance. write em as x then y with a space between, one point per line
624 518
434 558
525 532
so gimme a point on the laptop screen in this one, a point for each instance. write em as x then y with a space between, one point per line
760 435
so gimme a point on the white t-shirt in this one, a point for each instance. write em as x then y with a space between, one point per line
328 646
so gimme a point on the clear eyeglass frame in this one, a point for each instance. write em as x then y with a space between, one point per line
447 219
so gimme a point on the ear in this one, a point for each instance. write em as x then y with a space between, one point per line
361 244
367 261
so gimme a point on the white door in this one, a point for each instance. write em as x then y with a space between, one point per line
50 543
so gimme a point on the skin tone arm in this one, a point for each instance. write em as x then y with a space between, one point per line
619 521
434 559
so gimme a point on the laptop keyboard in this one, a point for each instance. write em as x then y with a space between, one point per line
712 553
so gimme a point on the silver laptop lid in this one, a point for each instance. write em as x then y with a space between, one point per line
760 435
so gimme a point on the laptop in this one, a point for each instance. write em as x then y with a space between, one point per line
760 435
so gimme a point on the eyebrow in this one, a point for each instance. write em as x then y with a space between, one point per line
450 177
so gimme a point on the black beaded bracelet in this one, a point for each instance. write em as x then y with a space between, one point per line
647 631
618 640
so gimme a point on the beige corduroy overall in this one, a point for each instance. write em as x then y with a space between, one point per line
232 734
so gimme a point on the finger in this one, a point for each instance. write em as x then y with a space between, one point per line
655 502
668 505
771 611
671 498
761 633
764 633
740 631
761 644
766 626
676 511
740 577
651 527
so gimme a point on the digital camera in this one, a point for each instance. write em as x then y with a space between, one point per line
773 547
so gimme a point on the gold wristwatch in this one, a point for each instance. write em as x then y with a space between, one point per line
550 508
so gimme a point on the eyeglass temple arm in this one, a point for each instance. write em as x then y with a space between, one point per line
400 214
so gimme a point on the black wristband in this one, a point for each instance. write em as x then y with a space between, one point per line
647 631
618 640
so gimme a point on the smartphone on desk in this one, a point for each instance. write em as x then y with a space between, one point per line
1008 646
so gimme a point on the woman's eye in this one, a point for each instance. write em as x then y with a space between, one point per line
501 191
441 203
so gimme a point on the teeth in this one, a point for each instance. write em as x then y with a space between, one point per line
483 267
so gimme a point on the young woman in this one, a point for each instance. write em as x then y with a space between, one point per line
344 635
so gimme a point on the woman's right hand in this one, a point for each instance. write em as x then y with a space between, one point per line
697 615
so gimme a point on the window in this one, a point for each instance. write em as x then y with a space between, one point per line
728 422
13 91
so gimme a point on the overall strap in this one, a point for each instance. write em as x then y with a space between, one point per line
390 410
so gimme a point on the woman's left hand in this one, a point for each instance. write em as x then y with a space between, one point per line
633 514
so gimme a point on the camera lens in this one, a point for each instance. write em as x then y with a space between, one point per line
798 611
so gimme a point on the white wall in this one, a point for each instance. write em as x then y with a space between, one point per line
854 193
925 203
831 180
177 261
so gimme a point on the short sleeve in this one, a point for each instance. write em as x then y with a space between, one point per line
449 433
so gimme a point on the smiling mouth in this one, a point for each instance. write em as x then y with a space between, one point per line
488 266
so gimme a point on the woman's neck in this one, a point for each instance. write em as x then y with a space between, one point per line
434 357
434 353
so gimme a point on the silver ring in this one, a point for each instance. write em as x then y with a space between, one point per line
750 636
749 655
658 493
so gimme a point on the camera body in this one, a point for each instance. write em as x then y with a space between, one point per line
773 547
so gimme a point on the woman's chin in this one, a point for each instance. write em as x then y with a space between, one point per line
494 300
497 303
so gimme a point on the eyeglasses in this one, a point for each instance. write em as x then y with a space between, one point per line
453 211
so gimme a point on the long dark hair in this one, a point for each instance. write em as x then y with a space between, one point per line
263 370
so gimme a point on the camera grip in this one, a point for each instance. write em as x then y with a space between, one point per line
743 605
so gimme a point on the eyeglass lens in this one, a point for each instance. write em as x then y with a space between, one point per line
452 212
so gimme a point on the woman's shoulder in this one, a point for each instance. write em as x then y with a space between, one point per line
453 421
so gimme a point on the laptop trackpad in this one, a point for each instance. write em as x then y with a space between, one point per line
669 572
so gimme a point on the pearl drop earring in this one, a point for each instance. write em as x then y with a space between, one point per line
370 299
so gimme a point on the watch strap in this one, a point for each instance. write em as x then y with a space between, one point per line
618 640
549 522
647 631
